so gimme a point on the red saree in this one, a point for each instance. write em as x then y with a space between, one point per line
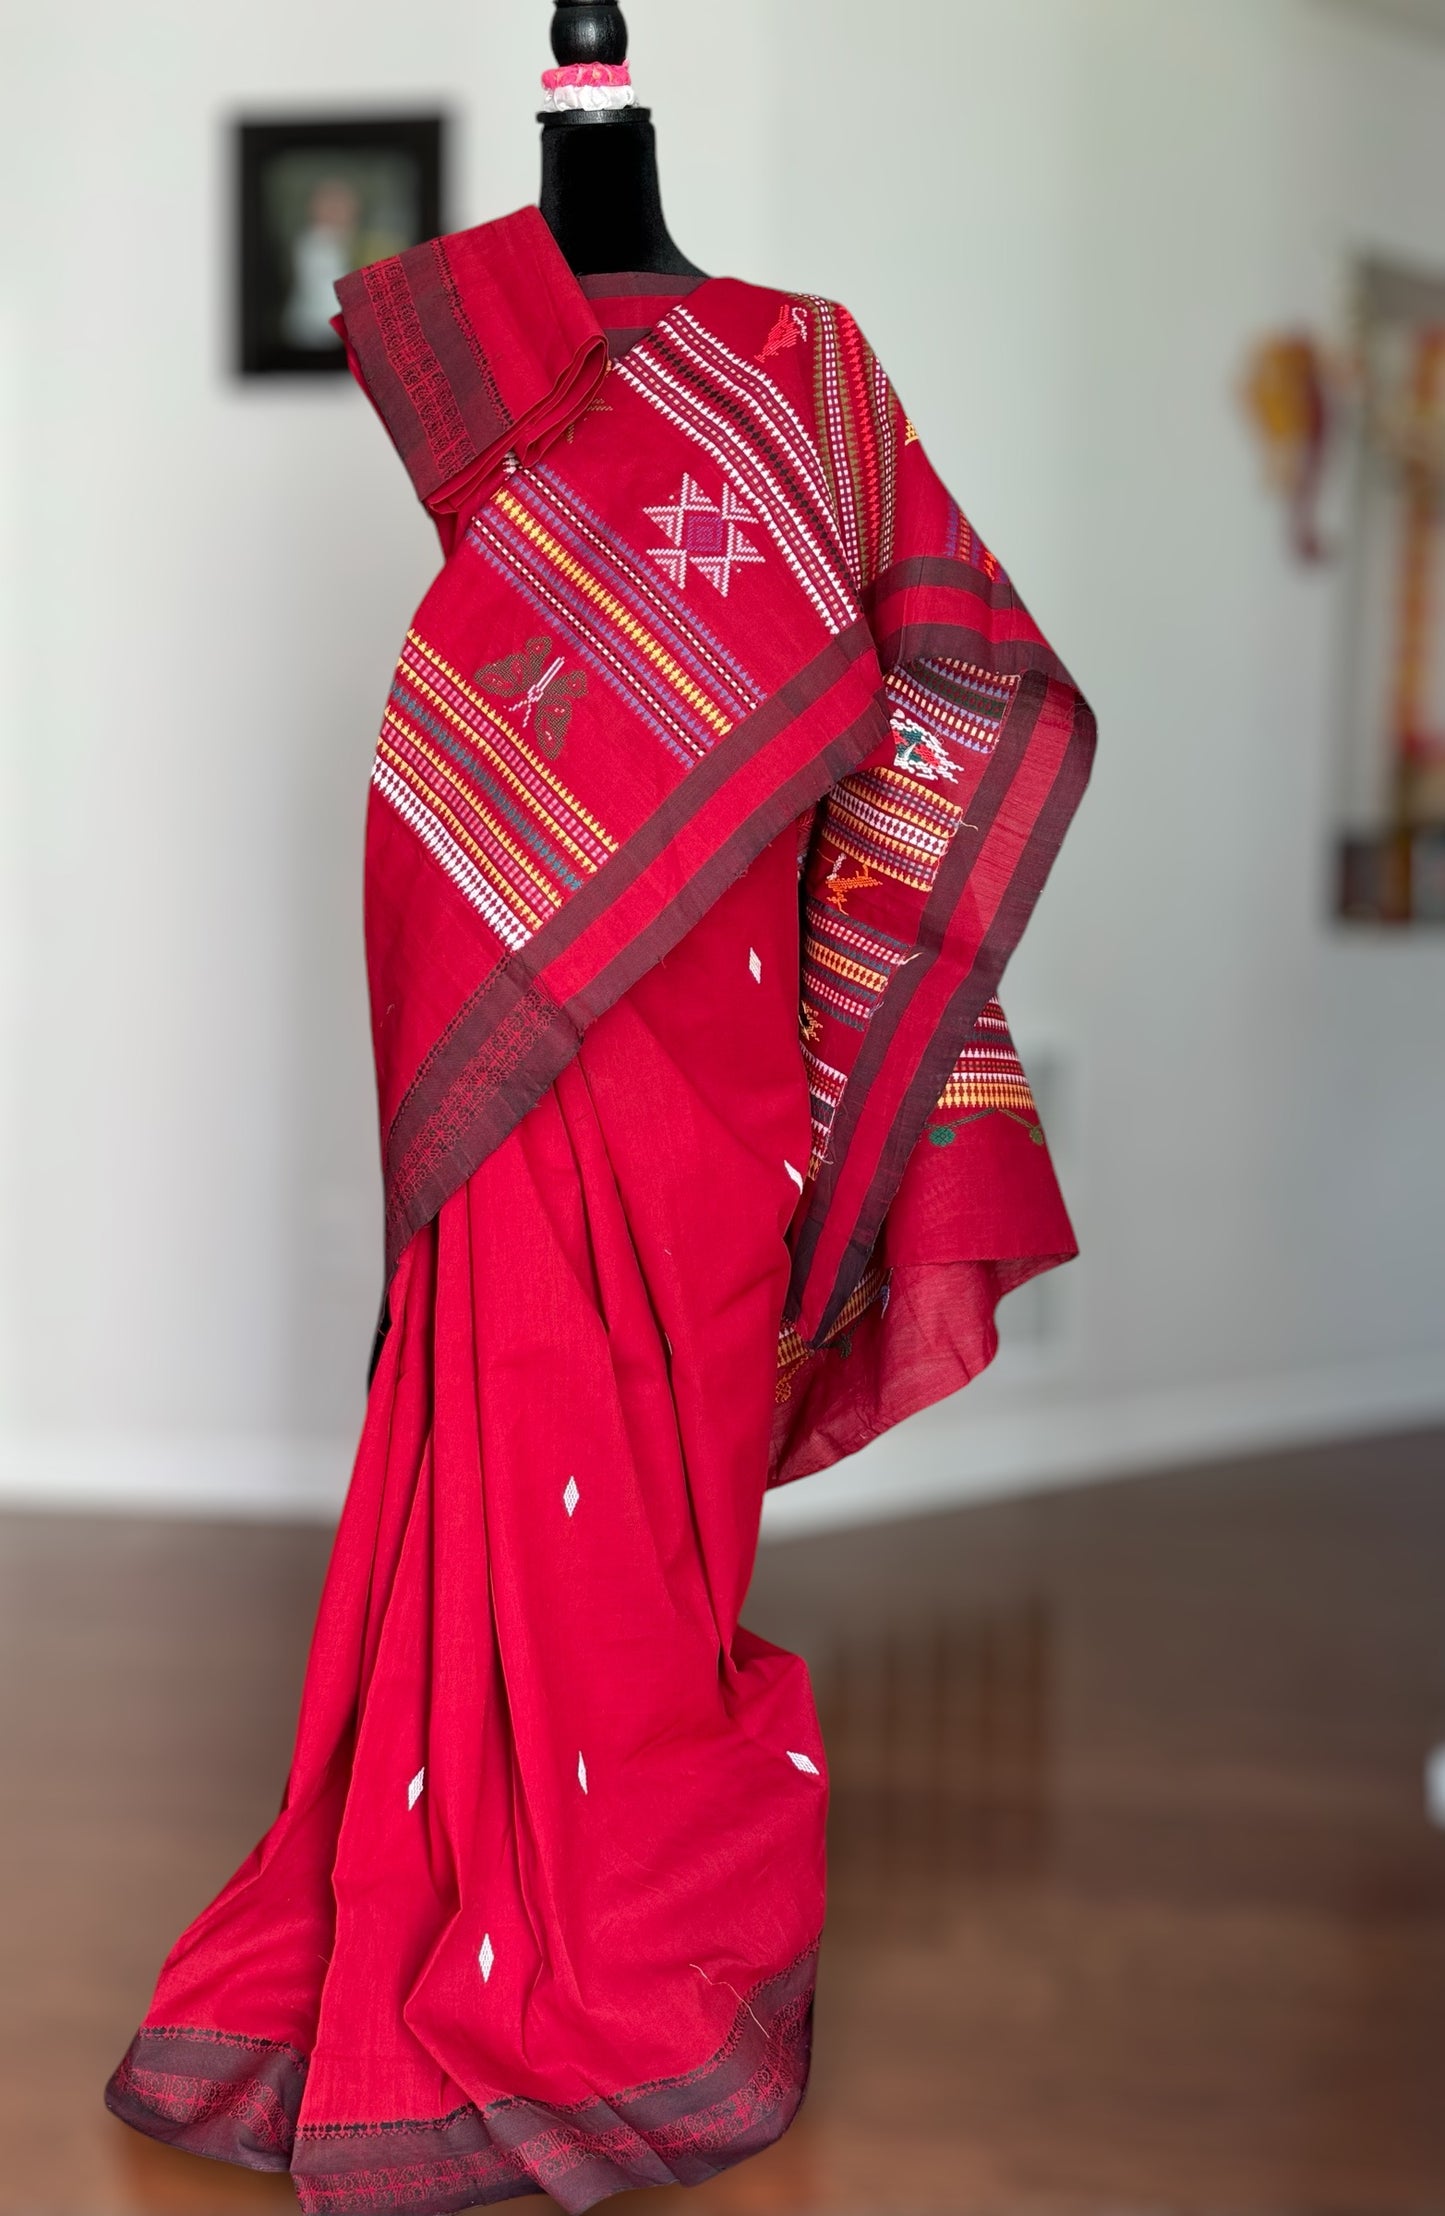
718 712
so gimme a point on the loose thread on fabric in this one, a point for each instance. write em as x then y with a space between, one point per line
737 1996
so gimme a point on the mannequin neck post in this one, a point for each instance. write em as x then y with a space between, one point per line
601 198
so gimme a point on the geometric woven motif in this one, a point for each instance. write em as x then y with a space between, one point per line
736 414
939 705
825 1090
706 535
988 1078
610 609
846 965
889 823
483 798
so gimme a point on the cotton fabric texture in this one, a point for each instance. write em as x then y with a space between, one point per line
719 777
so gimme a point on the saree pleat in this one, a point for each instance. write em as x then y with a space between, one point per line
541 1903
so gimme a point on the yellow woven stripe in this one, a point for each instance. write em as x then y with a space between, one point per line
920 876
545 818
926 817
989 1092
865 1296
504 837
617 612
792 1354
498 722
459 832
843 965
896 814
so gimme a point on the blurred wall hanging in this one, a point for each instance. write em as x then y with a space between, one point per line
316 200
1392 796
1289 396
1377 408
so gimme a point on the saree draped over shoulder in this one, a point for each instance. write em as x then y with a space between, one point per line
720 773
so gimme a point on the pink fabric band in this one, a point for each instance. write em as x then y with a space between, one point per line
586 73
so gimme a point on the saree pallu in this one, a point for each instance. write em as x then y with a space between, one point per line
720 773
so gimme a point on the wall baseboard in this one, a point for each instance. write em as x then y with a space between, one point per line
253 1479
960 1453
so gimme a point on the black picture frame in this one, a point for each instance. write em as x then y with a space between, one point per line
315 197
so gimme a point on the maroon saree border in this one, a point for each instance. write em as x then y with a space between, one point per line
904 638
213 2093
423 363
237 2100
454 404
513 1037
1031 660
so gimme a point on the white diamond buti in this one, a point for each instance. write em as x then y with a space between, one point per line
582 1772
571 1496
796 1175
416 1788
755 964
805 1763
486 1959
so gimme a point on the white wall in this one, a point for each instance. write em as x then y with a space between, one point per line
1061 224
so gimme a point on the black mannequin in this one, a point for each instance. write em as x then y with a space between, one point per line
600 193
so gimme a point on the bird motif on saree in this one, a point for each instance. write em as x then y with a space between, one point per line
920 753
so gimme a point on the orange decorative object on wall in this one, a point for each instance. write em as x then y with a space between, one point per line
1289 399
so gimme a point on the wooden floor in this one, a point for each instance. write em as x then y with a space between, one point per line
1135 1908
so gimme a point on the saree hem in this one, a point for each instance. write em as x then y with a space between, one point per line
910 1350
217 2094
237 2100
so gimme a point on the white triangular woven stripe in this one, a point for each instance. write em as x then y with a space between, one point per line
804 1763
416 1788
486 1959
755 964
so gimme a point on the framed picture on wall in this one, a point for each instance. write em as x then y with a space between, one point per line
316 200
